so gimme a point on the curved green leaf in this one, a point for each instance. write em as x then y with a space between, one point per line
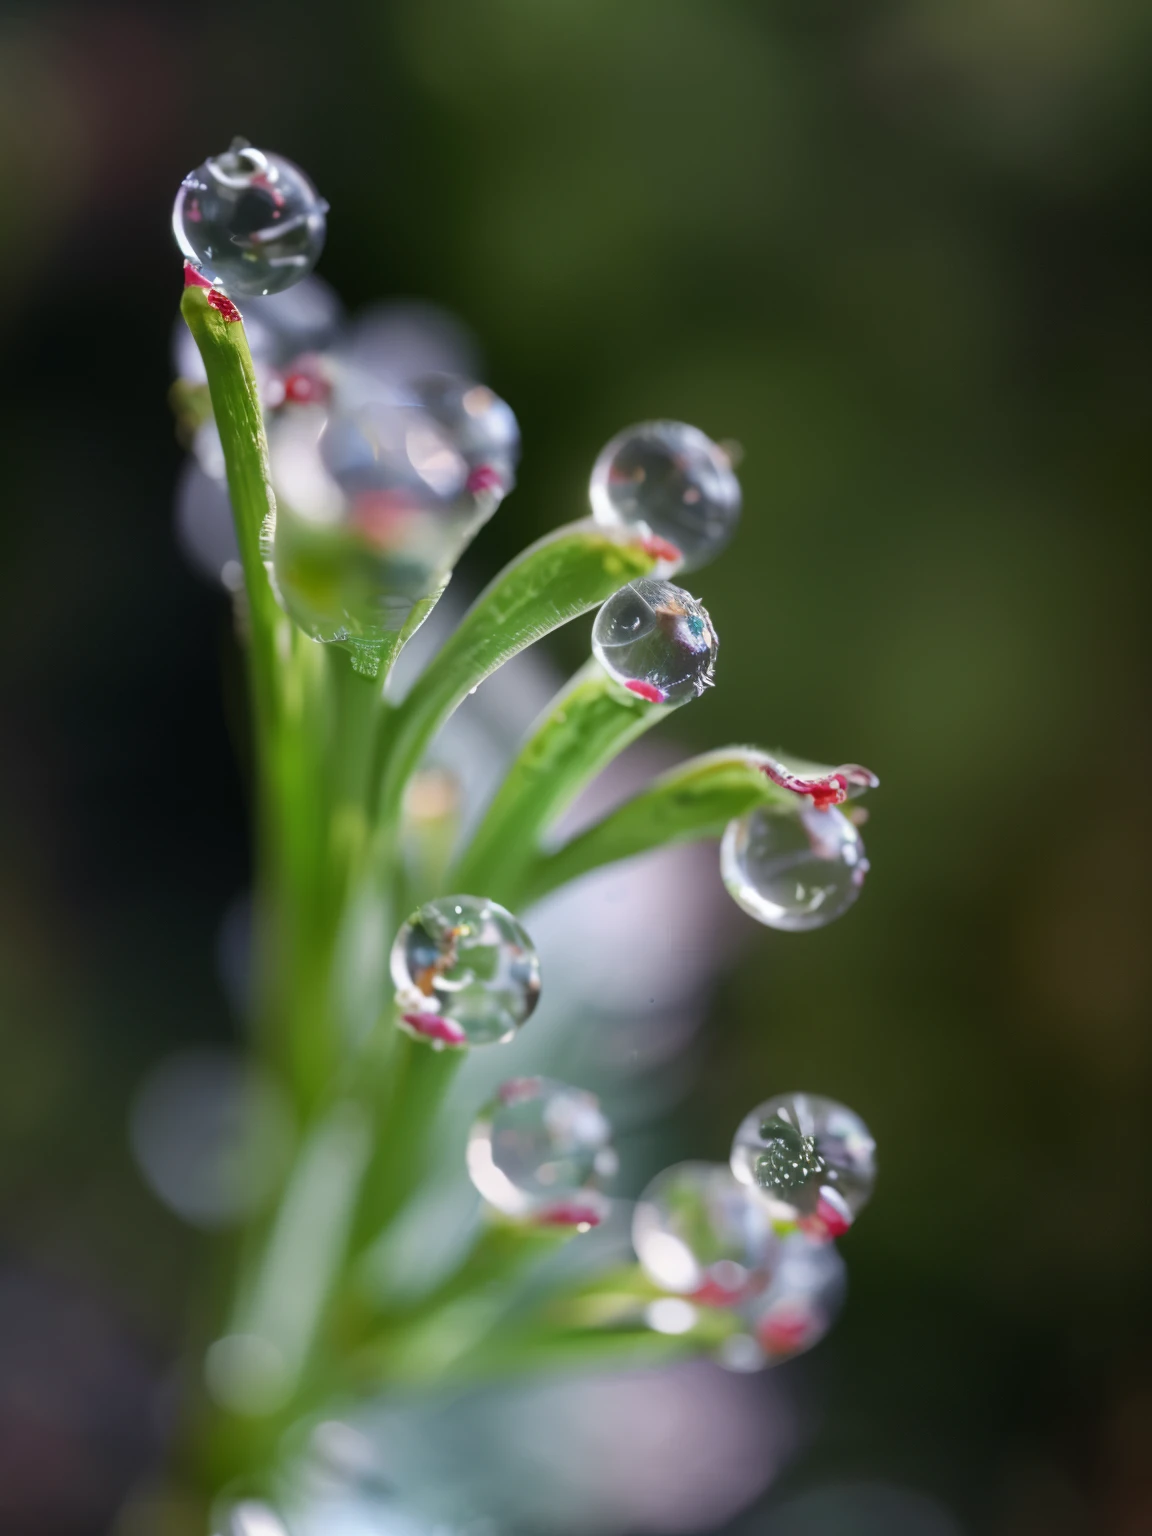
695 800
583 728
554 580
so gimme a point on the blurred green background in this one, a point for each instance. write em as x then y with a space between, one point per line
901 251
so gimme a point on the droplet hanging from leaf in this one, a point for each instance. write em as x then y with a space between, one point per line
656 640
250 220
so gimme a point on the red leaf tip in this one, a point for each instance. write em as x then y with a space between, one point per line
824 790
646 691
224 305
569 1214
661 549
430 1026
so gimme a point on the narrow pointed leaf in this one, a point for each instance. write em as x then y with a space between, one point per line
588 723
693 801
218 332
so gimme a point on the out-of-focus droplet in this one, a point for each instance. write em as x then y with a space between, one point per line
656 640
481 426
699 1232
812 1161
377 497
674 480
251 220
210 1136
802 1300
793 870
541 1149
465 972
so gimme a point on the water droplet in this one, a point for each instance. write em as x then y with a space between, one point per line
812 1160
674 480
793 871
251 220
697 1231
656 640
802 1299
542 1149
377 498
465 972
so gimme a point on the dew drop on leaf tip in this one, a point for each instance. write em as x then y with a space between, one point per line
811 1160
699 1232
542 1150
794 871
251 220
657 641
465 972
672 480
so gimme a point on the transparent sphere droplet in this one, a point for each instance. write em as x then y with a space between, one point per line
793 870
802 1300
698 1231
656 640
251 220
812 1161
465 972
542 1149
675 480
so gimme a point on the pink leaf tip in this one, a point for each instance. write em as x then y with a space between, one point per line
661 549
430 1026
824 790
569 1214
647 691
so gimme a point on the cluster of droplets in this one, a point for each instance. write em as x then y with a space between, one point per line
383 475
797 863
756 1236
667 482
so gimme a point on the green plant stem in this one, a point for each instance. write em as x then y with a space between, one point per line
417 1080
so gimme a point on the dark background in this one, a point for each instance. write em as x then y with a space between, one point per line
902 253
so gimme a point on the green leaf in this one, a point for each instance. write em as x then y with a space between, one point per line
554 580
223 346
492 1333
693 801
583 729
